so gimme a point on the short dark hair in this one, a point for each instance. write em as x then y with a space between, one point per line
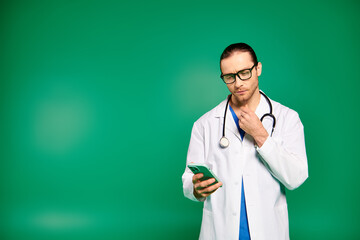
239 47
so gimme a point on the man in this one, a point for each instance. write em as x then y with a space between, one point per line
255 166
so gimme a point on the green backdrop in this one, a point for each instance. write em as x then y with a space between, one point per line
98 99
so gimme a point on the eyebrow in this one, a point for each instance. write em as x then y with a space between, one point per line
237 71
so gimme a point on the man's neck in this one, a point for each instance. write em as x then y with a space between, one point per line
251 103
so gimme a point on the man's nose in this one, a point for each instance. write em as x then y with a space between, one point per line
238 81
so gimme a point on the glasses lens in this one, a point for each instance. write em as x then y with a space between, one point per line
246 74
229 78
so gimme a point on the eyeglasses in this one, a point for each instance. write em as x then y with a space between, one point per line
244 74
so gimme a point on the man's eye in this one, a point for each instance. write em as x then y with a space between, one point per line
228 77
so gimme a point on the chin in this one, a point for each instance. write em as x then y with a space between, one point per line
241 98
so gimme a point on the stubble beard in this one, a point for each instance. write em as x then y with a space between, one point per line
243 100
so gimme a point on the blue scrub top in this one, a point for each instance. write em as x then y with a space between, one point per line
244 226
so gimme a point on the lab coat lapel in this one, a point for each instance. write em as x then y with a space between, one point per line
230 123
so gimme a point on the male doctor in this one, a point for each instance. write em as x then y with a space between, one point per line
257 164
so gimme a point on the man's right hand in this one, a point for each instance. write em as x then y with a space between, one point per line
202 188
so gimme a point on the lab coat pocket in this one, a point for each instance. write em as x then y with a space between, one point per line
207 226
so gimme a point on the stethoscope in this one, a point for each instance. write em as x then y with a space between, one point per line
224 142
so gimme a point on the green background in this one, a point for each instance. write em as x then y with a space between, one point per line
98 99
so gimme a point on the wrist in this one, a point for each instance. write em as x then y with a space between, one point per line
261 138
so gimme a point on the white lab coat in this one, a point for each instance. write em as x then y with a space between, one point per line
280 162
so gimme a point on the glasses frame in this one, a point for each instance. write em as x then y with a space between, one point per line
237 74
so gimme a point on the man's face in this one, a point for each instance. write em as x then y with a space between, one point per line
242 90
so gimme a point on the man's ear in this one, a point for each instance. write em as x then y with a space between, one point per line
259 69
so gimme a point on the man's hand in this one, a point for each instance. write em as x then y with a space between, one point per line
251 124
202 188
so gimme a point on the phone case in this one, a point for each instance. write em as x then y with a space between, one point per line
203 168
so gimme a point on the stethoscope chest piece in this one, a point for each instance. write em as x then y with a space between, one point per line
224 142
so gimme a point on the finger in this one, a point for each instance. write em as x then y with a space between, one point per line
206 183
199 186
197 177
242 121
243 115
210 190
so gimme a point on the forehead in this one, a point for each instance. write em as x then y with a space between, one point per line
236 62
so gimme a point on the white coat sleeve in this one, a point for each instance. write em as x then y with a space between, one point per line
285 155
195 155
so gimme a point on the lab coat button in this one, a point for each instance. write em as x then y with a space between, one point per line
234 214
236 183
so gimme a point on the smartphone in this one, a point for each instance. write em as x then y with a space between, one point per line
204 169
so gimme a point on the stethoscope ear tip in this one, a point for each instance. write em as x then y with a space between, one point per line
224 142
